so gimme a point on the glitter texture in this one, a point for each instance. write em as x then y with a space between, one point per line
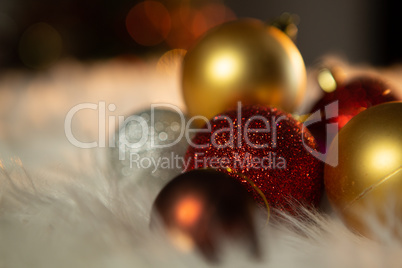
284 169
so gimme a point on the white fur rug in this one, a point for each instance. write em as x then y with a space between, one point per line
61 206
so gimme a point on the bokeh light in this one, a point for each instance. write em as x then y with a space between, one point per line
189 23
326 80
148 23
180 35
171 61
211 15
40 46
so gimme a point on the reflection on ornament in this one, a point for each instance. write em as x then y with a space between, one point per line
268 147
224 66
149 147
367 183
244 60
353 97
326 80
200 208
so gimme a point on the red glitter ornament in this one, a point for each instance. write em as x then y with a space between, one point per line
265 147
353 97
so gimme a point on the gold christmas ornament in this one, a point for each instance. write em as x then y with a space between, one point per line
246 61
366 186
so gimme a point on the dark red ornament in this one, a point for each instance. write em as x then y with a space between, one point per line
265 149
353 97
202 207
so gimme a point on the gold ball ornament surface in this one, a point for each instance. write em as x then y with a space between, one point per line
243 60
366 185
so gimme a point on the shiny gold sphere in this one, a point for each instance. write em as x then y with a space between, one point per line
246 61
366 186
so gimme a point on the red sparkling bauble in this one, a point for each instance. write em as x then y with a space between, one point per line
354 97
264 146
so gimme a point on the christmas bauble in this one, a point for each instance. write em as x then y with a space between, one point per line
353 97
267 146
149 147
242 60
201 207
367 183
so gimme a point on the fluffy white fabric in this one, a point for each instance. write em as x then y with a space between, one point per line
61 206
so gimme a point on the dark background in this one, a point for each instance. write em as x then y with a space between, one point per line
360 31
